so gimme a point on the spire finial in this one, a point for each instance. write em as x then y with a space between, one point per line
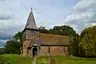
31 9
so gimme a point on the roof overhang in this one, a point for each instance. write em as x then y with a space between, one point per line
30 29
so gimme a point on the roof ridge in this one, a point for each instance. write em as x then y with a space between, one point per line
52 35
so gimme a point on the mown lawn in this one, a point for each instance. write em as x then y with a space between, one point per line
66 60
15 59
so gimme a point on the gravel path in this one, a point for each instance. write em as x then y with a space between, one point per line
34 60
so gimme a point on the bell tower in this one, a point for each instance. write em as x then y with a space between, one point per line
30 31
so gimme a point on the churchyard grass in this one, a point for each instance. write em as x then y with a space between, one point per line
15 59
66 60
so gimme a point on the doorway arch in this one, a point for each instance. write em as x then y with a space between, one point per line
34 51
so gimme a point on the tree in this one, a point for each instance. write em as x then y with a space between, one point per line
63 30
43 30
87 45
74 45
2 51
18 38
14 46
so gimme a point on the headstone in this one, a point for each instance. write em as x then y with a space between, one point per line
52 61
44 61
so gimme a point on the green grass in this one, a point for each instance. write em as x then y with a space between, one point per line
16 59
66 60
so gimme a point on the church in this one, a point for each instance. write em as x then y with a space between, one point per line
40 44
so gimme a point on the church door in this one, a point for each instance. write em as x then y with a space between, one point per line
34 51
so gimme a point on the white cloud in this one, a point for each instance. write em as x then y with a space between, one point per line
84 5
50 17
9 24
81 21
3 41
85 17
1 46
9 28
5 15
81 17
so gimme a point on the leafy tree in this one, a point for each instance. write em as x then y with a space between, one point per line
14 46
56 30
43 30
18 36
87 45
74 45
63 30
2 51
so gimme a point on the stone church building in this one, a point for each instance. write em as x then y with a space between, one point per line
35 43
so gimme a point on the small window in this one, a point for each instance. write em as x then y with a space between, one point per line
64 49
48 49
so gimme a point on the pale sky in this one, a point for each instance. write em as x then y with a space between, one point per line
14 13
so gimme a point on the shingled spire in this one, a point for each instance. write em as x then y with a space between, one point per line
31 22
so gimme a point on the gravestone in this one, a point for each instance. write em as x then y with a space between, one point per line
52 61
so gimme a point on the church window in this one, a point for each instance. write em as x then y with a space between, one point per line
64 49
48 49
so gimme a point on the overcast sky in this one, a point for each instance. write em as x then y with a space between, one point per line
14 13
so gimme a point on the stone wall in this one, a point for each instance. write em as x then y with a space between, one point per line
45 50
53 50
25 45
56 50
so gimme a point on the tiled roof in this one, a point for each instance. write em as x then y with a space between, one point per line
50 39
